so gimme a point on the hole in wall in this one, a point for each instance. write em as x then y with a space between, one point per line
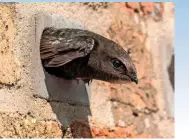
69 99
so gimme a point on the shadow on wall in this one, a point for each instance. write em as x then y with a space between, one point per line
69 101
171 71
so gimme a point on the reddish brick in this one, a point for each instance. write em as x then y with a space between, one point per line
118 132
133 5
80 129
124 7
130 11
95 131
147 7
147 4
162 8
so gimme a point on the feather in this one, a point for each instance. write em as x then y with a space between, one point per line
60 52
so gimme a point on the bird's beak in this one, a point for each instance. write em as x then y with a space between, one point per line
134 79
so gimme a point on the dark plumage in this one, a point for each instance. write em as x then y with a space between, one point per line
75 53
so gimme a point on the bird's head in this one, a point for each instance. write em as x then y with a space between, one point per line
112 63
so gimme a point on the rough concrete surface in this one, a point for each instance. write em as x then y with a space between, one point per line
10 72
17 125
76 110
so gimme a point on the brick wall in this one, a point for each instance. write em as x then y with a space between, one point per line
100 109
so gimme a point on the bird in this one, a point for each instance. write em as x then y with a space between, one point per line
77 54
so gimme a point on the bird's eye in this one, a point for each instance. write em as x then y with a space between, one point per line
116 63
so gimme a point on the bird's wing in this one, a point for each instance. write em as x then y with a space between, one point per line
61 52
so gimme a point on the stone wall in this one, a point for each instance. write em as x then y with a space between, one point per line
100 109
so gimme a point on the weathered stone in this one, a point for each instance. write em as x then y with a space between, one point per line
147 7
109 110
9 65
15 125
133 5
